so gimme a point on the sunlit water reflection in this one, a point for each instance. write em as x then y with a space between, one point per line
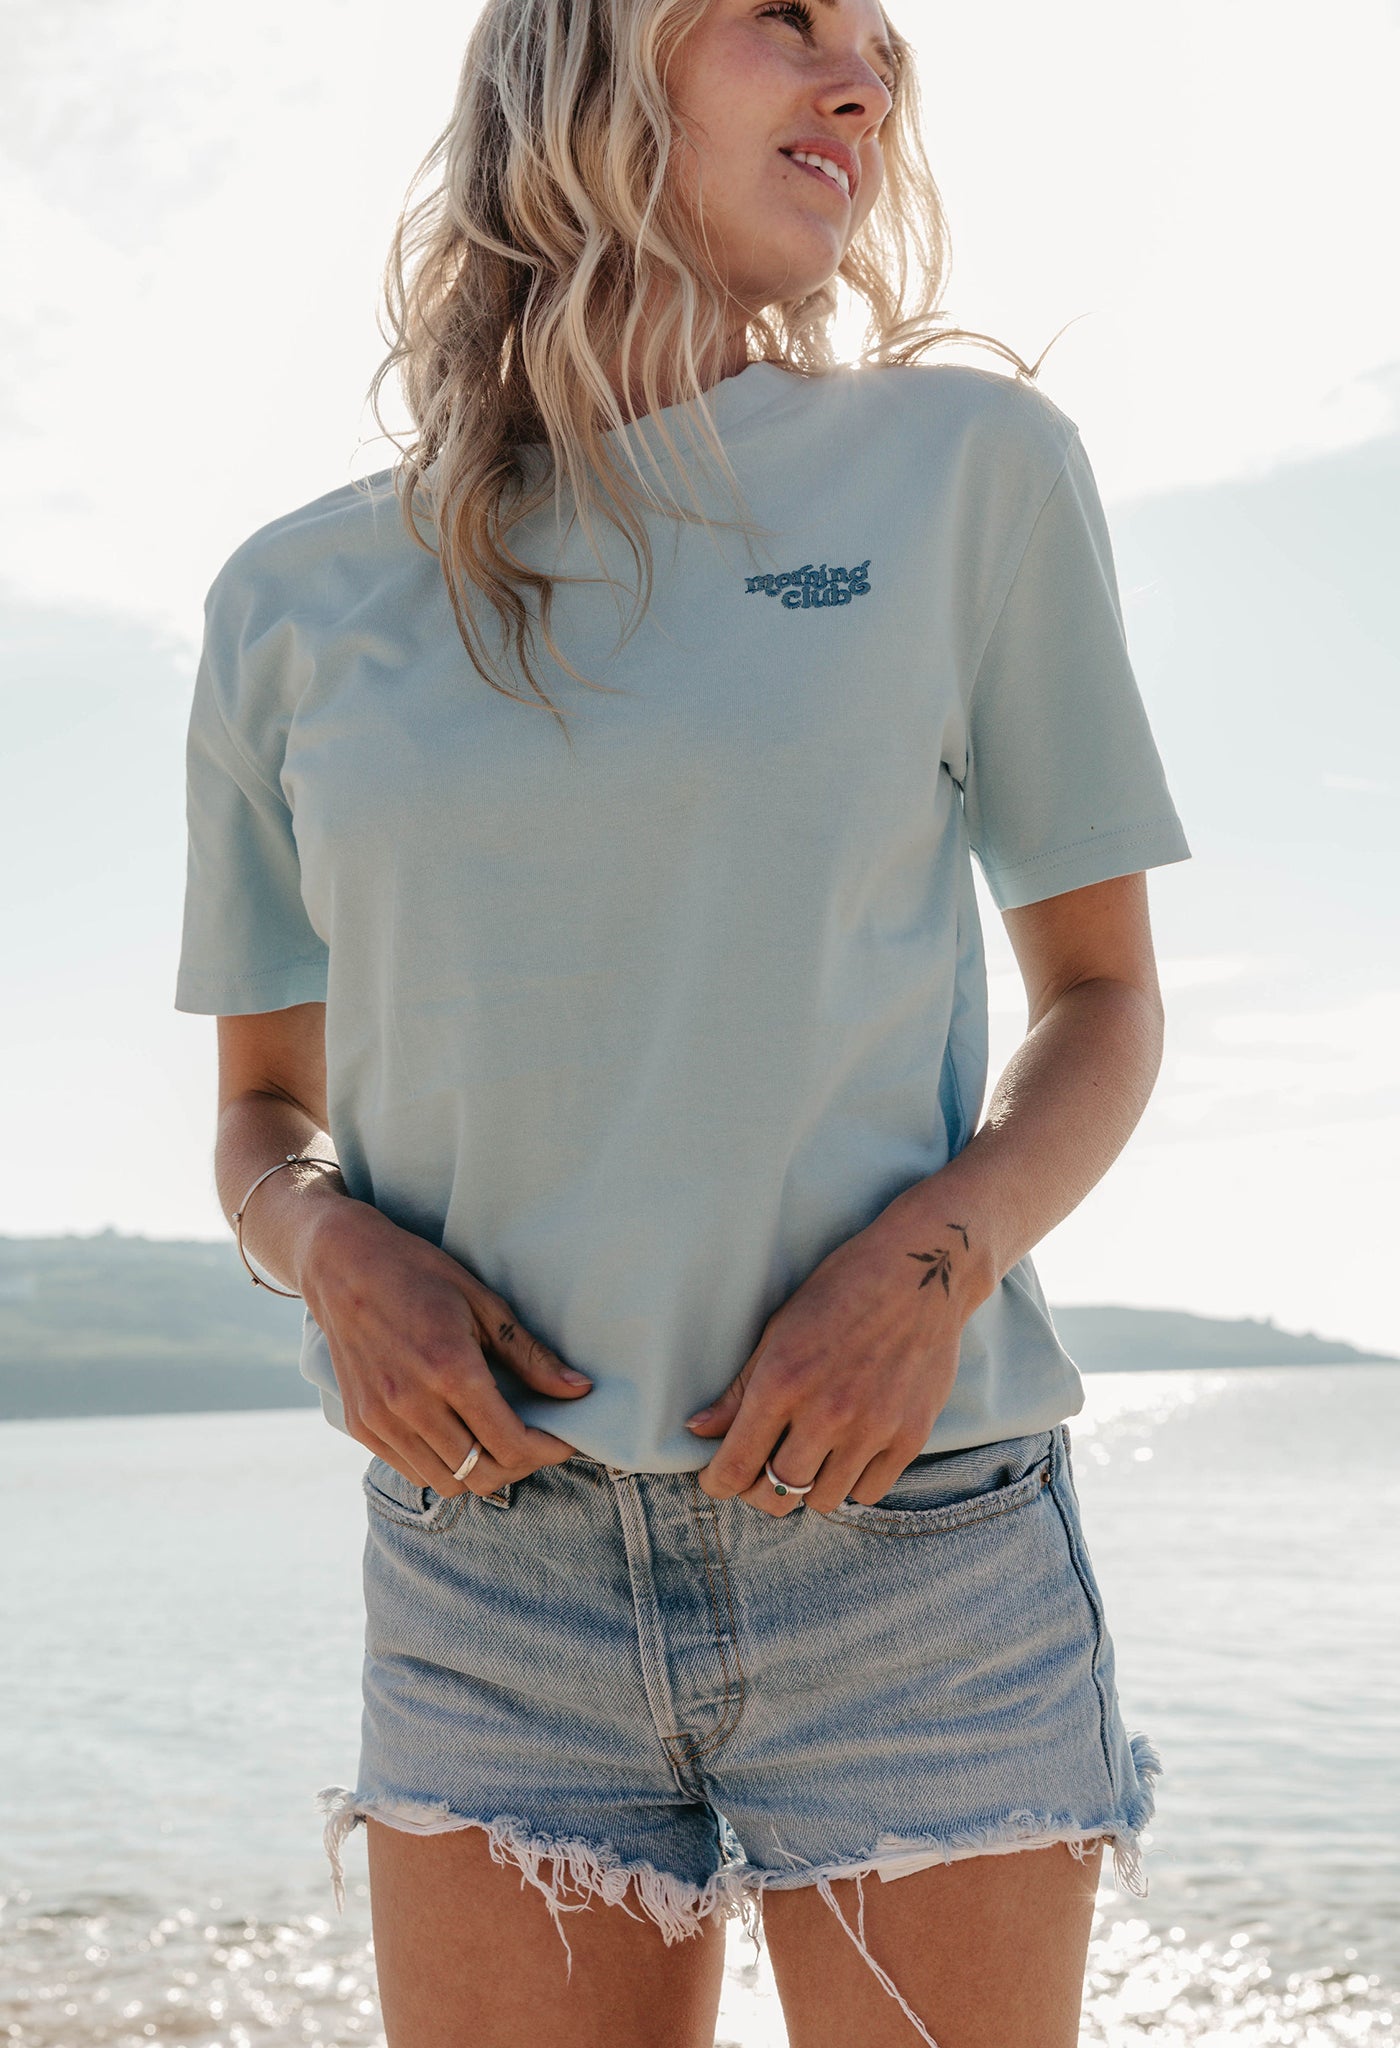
182 1640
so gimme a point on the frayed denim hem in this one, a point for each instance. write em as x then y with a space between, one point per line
584 1873
896 1856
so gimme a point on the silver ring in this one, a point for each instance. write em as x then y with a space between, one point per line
783 1485
466 1465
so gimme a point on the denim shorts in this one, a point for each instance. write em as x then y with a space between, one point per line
625 1682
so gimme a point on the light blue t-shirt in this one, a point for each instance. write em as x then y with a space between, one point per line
641 1031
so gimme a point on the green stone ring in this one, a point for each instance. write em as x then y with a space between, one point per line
781 1486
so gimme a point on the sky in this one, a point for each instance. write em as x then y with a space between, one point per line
196 204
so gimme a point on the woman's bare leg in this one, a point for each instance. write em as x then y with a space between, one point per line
988 1951
469 1958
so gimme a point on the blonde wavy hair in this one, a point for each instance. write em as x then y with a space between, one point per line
550 225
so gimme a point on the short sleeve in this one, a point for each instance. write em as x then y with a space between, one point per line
248 944
1064 785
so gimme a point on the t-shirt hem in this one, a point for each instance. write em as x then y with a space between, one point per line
244 995
1125 851
1042 1407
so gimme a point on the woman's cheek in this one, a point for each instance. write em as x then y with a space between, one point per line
871 182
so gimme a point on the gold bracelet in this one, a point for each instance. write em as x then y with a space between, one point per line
292 1159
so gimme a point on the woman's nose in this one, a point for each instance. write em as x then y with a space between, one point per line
858 91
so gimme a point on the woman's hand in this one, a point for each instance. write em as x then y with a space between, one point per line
408 1329
850 1372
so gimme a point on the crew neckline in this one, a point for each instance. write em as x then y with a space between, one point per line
733 399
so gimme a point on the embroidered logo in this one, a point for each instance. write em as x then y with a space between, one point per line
800 589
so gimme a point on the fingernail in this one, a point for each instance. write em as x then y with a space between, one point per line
575 1379
700 1415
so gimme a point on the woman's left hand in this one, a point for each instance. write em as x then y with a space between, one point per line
850 1372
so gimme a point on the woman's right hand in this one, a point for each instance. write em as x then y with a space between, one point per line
408 1329
408 1326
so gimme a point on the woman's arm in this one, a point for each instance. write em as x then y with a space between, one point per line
408 1327
1070 1096
272 1101
857 1364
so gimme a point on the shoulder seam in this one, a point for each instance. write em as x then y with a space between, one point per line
235 739
1020 560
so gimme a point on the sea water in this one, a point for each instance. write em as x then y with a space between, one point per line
180 1598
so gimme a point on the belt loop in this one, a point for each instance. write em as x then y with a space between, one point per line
1061 1459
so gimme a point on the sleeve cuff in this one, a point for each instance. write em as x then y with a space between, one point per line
1125 851
244 995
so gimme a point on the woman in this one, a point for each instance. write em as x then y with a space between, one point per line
723 1545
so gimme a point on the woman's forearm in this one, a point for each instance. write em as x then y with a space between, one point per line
255 1131
1065 1106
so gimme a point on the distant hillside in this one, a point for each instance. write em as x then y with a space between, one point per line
112 1325
1153 1339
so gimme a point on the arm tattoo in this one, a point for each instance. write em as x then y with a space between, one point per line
939 1260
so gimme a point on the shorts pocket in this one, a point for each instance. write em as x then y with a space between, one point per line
402 1500
950 1489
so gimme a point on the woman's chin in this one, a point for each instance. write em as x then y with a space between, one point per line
796 272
